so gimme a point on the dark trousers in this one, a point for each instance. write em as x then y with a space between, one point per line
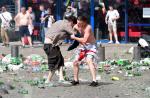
54 56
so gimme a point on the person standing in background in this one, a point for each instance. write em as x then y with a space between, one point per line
69 12
5 17
111 19
23 20
49 19
42 32
30 12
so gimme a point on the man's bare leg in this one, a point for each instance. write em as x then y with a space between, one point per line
61 75
76 70
116 36
92 68
3 36
30 41
76 73
93 72
50 75
6 38
110 37
22 40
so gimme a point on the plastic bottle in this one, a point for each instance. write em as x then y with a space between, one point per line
35 66
99 44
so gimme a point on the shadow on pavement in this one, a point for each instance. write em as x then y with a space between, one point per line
99 83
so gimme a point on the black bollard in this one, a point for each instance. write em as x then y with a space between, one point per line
101 53
14 51
136 53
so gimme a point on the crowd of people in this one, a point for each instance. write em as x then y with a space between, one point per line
26 18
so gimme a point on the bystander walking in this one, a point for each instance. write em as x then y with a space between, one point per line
5 17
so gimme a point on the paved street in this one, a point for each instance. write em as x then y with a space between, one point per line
126 87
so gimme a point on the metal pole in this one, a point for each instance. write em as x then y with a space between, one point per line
126 21
101 53
137 53
26 3
58 9
57 12
106 4
92 14
21 1
19 5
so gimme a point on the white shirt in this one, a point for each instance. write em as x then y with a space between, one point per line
30 27
111 15
32 15
6 18
50 21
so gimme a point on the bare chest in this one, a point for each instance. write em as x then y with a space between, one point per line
24 17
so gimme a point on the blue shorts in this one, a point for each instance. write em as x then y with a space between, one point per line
24 31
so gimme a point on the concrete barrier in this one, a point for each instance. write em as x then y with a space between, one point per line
118 51
101 53
137 53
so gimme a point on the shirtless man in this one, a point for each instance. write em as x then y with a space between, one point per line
87 42
23 20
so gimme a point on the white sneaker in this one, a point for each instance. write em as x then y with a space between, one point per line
143 42
117 42
49 84
110 42
47 81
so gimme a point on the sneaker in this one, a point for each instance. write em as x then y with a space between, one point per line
64 82
23 46
94 84
75 82
3 44
31 46
7 45
47 81
110 42
49 84
117 42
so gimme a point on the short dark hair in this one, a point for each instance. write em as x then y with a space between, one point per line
42 5
111 5
72 18
4 8
82 18
23 7
29 7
